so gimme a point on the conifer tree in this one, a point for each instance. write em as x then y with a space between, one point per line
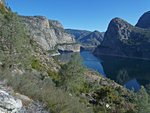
14 41
143 104
73 73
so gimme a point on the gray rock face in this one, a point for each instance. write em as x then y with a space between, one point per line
8 103
11 102
56 23
144 21
123 39
34 107
48 33
72 47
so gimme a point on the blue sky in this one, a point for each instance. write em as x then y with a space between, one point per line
83 14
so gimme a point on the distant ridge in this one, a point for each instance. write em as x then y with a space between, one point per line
86 38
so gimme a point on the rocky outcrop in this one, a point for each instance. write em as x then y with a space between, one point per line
47 33
11 102
69 47
123 39
8 103
144 21
88 40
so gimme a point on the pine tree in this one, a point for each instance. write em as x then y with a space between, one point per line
72 73
14 41
143 104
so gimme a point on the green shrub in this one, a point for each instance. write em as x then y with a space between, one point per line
3 9
55 76
72 74
15 47
143 101
107 95
36 64
85 88
57 100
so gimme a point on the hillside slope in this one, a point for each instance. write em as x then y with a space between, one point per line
32 81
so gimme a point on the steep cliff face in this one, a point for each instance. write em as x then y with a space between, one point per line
48 33
144 21
123 39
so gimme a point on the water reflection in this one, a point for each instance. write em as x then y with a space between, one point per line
133 84
129 72
90 61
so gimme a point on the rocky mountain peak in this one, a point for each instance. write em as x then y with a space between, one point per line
144 21
97 33
118 29
123 39
119 23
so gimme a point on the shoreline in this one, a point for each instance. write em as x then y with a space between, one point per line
121 56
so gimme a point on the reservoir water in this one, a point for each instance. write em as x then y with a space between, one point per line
131 73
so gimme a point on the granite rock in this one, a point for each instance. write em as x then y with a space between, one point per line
124 40
48 33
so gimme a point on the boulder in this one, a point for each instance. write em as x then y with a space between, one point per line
9 103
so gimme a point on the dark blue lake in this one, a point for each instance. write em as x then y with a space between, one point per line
90 61
131 73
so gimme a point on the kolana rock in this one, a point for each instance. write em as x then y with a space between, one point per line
144 21
50 34
123 39
88 40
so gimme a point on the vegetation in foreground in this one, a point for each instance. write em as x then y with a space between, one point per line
68 91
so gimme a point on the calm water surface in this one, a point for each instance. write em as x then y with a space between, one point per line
127 72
